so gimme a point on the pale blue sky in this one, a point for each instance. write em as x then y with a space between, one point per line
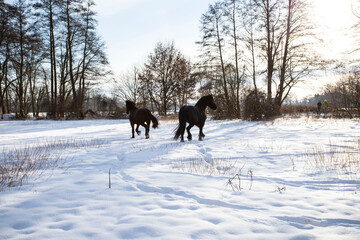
131 28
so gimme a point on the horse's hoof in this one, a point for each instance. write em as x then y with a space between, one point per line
147 137
138 132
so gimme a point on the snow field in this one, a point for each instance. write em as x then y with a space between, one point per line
163 189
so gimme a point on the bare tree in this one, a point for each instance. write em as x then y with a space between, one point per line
212 43
269 12
231 12
64 49
298 58
249 23
186 81
49 10
6 38
287 47
162 75
27 47
82 59
128 86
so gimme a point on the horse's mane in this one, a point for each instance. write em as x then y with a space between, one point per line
130 105
204 101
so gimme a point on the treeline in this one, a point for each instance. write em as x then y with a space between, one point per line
50 54
253 53
341 95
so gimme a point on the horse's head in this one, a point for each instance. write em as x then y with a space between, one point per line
210 102
129 106
206 101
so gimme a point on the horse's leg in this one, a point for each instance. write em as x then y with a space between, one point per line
132 130
189 137
146 129
137 129
201 134
182 131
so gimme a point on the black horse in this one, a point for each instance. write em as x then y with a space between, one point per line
194 115
141 117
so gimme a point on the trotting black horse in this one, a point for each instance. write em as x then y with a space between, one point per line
141 117
194 115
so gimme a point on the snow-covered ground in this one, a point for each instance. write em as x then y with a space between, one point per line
163 189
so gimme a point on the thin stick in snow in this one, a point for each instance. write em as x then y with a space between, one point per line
109 178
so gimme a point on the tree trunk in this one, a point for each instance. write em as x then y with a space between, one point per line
75 104
270 61
222 64
21 71
237 74
54 101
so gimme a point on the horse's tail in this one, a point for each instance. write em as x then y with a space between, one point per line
180 129
155 122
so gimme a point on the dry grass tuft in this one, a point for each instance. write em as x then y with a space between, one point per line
214 166
344 157
221 167
24 162
21 163
235 182
169 118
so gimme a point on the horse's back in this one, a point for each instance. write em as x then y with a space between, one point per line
142 115
190 114
143 111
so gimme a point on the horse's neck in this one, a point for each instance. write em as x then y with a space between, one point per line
201 106
133 110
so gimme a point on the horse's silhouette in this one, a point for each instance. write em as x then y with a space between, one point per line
194 115
139 117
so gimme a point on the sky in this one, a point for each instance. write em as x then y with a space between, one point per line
334 18
131 29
